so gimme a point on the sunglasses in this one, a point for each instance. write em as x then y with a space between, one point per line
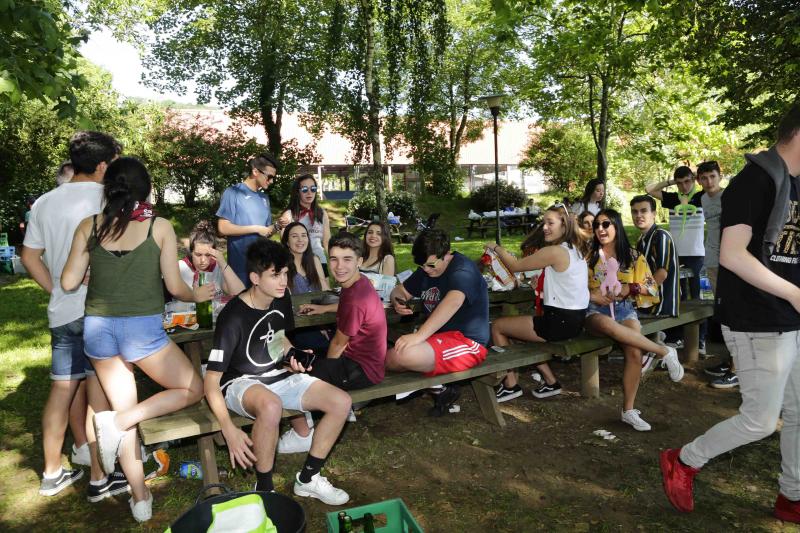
268 176
306 188
562 206
605 224
431 265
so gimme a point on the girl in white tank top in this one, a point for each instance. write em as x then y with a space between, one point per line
565 299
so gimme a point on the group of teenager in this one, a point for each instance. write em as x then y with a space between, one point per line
107 298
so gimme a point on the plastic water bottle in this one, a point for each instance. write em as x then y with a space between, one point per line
705 286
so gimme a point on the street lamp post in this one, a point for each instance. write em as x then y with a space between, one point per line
494 101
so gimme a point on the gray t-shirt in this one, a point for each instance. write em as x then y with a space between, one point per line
712 210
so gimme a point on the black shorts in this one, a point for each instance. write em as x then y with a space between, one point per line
341 372
557 324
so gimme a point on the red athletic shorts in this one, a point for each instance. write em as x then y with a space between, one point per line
454 352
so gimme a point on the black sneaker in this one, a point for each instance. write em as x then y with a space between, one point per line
545 390
116 483
718 371
728 381
503 394
444 400
51 487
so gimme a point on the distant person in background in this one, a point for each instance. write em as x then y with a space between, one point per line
378 250
26 218
592 199
244 212
304 208
686 224
65 173
204 256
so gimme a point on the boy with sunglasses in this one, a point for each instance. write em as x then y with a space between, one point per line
244 212
455 302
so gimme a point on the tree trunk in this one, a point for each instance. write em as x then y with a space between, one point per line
602 148
372 90
270 98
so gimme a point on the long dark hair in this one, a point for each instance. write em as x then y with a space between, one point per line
622 247
126 182
294 199
386 247
307 259
588 190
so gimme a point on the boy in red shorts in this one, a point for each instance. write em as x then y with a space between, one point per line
455 301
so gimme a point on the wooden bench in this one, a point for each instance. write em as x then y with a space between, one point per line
197 420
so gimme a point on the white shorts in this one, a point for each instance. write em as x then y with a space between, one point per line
290 390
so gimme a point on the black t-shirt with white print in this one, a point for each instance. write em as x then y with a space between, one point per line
749 200
249 342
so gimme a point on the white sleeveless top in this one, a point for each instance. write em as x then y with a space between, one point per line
315 232
568 289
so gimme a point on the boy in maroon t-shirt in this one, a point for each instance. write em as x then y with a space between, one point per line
357 352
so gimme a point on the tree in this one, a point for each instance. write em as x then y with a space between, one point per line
38 55
443 109
583 56
196 156
367 61
259 58
748 50
34 138
564 153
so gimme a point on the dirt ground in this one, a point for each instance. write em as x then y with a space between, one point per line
545 471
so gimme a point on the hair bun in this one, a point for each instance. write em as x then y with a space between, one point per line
203 225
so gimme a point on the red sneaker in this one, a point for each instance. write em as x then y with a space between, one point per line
678 480
786 509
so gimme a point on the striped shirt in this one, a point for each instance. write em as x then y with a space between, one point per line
659 251
687 232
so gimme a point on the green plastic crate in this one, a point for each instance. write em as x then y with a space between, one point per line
397 517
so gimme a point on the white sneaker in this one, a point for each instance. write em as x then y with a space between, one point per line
291 442
80 456
647 362
351 416
673 365
320 488
109 437
143 510
660 337
632 417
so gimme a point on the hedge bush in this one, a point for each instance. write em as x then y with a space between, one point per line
483 198
401 203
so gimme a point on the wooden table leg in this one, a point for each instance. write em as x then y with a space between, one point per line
208 460
487 399
194 350
691 342
590 373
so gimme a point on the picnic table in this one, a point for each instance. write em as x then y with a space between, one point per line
510 221
198 420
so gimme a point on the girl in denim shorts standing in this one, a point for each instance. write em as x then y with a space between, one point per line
129 250
609 241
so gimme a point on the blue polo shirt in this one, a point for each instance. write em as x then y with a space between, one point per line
243 207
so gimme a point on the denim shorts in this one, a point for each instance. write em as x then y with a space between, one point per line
131 337
68 361
623 310
290 390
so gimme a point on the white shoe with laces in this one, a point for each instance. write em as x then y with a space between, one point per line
320 488
291 442
142 510
632 418
109 438
673 365
80 455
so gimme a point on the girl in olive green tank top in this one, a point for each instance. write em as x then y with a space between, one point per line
129 251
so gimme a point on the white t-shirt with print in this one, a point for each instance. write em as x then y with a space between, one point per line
54 218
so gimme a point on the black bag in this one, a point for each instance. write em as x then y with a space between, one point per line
285 513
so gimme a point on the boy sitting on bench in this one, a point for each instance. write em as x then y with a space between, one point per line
455 301
248 373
